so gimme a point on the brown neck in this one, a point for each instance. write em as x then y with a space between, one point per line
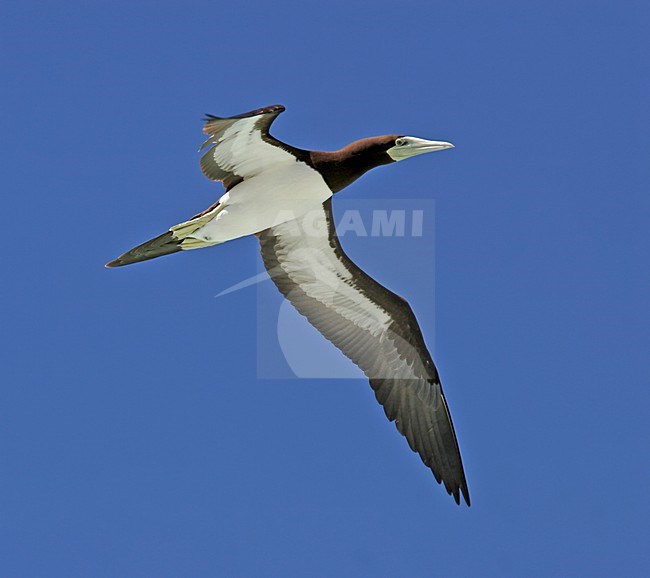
343 167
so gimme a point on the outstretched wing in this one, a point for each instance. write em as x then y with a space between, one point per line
241 147
374 328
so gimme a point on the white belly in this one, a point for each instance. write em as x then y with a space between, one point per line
274 197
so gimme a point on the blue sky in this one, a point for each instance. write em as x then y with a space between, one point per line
136 437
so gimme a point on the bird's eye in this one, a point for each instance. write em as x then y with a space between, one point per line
400 142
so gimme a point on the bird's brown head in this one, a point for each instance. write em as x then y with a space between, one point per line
372 150
342 167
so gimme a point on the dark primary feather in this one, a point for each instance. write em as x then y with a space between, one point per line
315 275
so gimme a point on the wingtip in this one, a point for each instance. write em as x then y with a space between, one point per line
272 109
456 494
456 491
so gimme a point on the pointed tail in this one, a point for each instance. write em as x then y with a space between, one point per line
178 238
164 244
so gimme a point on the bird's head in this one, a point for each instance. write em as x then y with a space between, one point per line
404 147
379 150
342 167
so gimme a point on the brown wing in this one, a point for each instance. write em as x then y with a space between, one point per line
374 328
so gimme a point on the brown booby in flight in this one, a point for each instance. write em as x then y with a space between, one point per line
283 194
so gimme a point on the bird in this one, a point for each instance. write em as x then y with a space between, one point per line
283 195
